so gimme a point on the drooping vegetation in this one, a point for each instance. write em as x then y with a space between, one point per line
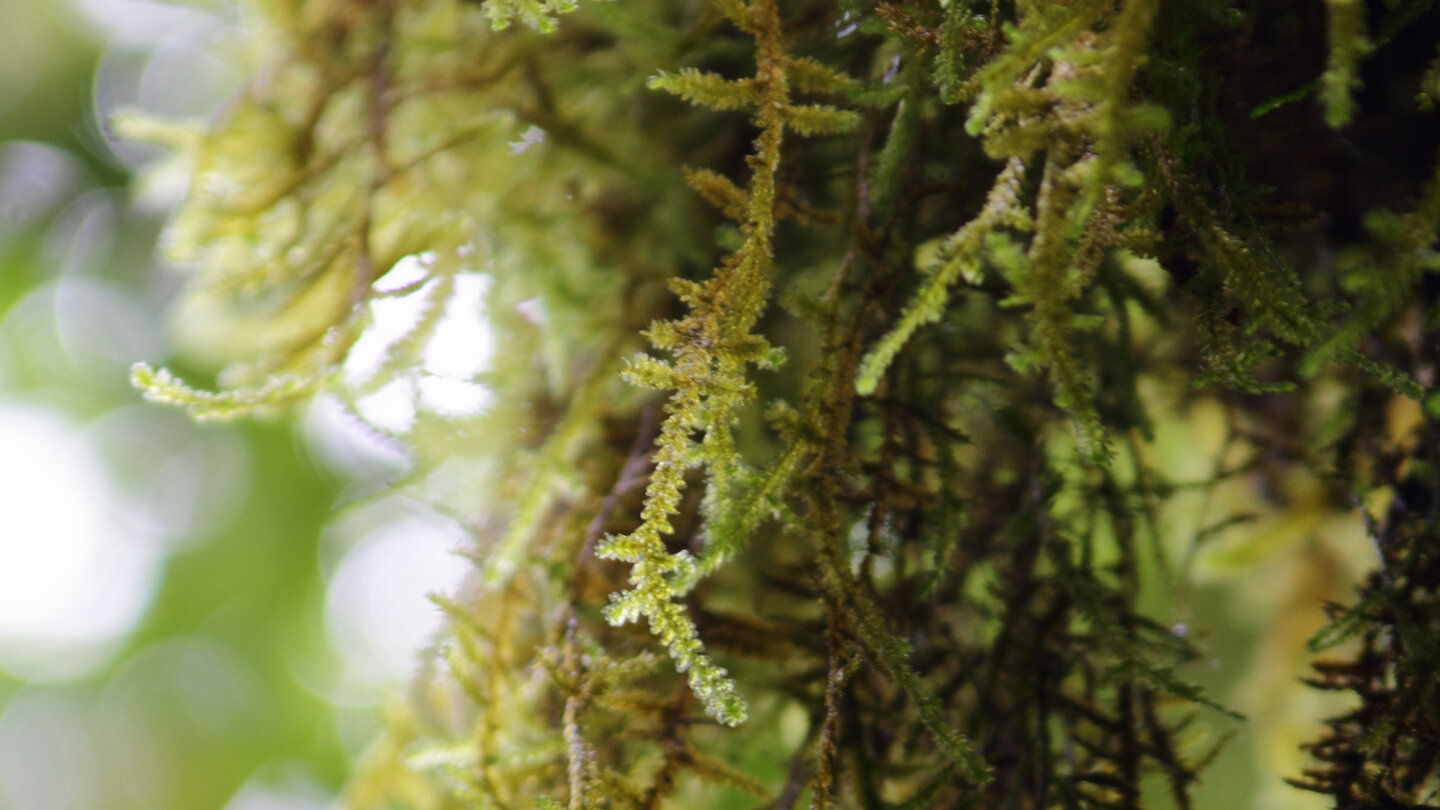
833 340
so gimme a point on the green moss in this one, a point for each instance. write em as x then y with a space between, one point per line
927 552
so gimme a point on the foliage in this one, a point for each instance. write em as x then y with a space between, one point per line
996 229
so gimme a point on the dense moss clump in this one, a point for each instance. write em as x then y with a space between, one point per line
834 338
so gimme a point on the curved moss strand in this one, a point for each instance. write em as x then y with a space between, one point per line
299 377
961 254
162 387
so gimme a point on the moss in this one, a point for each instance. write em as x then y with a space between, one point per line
898 531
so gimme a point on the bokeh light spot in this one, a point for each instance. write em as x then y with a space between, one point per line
72 583
378 610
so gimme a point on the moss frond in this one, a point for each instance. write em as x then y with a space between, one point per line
277 392
718 190
808 75
708 89
820 119
712 347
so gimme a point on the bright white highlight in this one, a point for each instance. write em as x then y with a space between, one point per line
459 349
378 610
142 23
73 583
339 440
463 342
533 136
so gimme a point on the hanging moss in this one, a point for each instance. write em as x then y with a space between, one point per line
822 461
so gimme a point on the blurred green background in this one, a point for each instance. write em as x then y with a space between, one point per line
190 616
197 617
